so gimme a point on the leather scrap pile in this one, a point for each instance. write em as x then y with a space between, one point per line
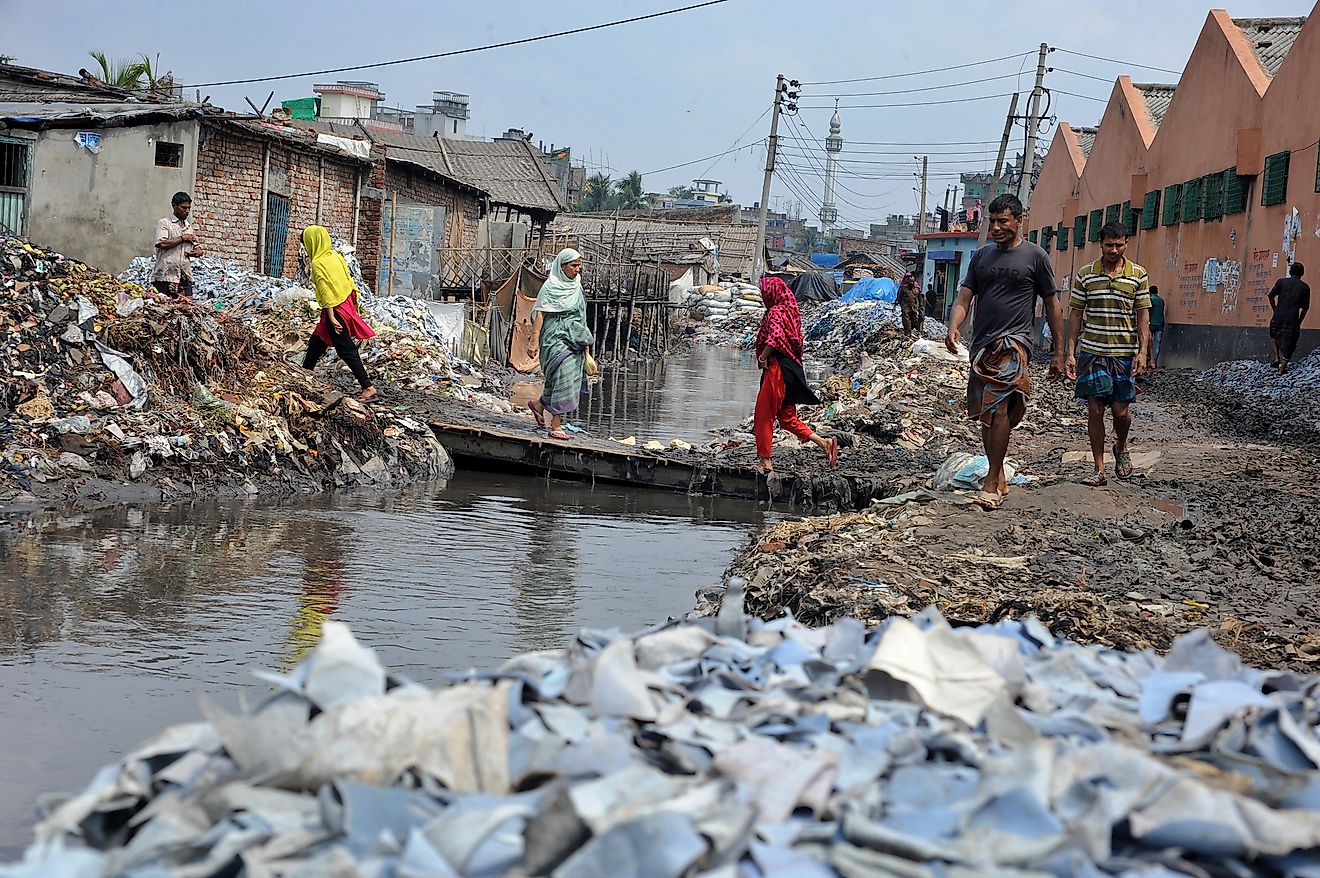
1261 400
724 748
105 382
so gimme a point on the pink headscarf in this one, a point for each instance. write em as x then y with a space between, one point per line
781 327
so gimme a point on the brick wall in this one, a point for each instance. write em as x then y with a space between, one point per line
228 197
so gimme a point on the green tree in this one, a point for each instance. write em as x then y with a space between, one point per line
629 193
809 237
121 74
682 191
597 193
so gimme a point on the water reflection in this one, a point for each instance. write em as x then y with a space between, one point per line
112 621
682 397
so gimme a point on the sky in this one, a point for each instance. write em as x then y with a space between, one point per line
665 92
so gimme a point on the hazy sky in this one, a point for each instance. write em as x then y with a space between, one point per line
650 95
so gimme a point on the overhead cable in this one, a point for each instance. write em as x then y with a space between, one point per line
456 52
917 72
1116 61
905 91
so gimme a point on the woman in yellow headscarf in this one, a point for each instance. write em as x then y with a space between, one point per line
340 325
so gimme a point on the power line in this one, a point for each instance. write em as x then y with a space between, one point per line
914 104
960 163
1073 94
794 120
917 72
1109 80
908 152
918 143
1116 61
706 173
751 145
905 91
452 54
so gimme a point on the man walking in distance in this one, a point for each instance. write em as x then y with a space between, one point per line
1005 279
1156 326
1108 343
175 246
1290 299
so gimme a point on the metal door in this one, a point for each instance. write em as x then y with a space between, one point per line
277 233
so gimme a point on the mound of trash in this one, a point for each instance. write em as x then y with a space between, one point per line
106 381
728 747
1258 399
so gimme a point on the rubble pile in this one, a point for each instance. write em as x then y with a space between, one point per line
840 332
724 747
101 394
1258 399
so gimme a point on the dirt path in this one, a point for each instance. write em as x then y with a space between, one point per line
1219 532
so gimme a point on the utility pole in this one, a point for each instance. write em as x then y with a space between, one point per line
781 91
1033 123
999 169
921 219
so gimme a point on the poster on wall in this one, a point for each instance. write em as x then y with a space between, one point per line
1256 282
1292 230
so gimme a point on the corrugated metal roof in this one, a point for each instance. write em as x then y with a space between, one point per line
1157 96
509 170
1085 138
1271 38
56 114
649 240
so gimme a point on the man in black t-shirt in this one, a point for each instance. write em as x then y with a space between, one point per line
1005 278
1290 299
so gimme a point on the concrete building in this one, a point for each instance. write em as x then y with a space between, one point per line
947 256
350 101
1213 178
446 116
706 192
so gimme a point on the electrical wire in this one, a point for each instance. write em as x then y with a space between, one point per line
1072 94
737 140
1109 80
793 120
905 91
752 145
916 72
913 104
456 52
1116 61
925 142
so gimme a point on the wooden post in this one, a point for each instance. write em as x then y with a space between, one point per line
394 224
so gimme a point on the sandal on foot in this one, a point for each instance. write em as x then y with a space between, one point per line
368 395
764 469
1095 480
538 414
1122 464
561 435
832 454
989 500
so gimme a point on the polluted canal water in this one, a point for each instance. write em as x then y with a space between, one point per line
114 621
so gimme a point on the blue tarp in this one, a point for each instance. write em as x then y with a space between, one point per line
824 260
872 289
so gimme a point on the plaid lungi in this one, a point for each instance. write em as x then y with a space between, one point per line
999 377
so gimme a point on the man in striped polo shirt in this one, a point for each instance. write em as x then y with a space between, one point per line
1108 343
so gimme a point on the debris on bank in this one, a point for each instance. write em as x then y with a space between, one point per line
1263 402
109 385
729 747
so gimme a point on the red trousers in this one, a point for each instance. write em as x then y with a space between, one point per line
770 407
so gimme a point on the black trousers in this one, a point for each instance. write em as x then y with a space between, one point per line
344 346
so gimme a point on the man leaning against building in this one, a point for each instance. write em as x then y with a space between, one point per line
176 244
1108 343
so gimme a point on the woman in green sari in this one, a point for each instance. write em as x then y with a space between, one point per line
560 335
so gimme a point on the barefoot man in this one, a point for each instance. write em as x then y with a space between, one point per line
1290 299
1108 345
1005 279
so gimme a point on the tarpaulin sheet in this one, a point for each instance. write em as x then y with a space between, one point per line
519 358
872 289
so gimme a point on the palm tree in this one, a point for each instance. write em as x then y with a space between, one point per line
120 74
596 194
682 191
629 192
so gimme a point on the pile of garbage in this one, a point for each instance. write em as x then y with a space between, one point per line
107 383
1260 400
725 747
840 331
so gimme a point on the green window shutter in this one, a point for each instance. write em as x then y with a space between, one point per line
1112 214
1150 210
1031 236
1172 199
1046 236
1130 217
1191 201
1063 237
1212 196
1097 220
1235 191
1079 231
1274 189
